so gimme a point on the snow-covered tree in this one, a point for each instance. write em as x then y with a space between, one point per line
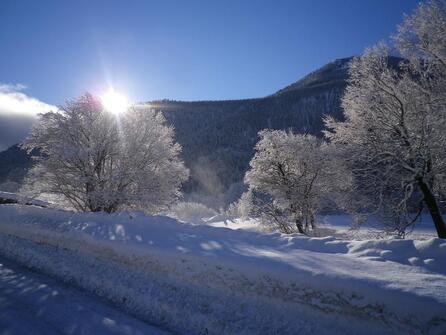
243 207
97 161
422 36
394 135
289 169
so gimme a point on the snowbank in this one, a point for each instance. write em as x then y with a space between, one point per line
13 198
201 279
339 225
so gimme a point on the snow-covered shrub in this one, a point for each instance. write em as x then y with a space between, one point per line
193 212
242 208
233 210
259 206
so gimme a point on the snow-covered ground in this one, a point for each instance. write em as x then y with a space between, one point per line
31 303
335 224
213 280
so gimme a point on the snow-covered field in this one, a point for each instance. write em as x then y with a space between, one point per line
199 279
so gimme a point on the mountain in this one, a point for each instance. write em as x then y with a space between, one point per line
14 163
334 73
218 137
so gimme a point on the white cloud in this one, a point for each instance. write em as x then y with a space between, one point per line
11 87
18 112
14 102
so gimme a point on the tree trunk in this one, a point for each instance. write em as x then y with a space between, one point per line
434 211
299 226
300 229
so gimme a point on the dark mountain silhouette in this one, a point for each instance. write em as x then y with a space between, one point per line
14 163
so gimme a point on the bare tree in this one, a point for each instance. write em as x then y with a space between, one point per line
289 169
97 161
394 135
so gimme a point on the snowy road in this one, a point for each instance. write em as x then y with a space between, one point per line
34 304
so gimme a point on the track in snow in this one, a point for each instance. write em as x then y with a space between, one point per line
31 303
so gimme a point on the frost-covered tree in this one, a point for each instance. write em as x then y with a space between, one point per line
243 207
422 36
97 161
394 136
289 170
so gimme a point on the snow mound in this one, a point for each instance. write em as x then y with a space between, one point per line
398 284
428 254
8 197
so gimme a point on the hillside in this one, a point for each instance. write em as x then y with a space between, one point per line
14 163
218 136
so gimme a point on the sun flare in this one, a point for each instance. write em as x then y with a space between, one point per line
114 102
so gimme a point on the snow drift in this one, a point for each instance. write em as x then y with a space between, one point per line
207 280
14 198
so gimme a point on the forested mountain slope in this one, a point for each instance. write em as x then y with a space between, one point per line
14 163
218 137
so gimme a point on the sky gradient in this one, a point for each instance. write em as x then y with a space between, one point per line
184 50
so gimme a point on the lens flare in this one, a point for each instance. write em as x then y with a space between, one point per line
114 102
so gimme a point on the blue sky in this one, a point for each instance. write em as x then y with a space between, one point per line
185 50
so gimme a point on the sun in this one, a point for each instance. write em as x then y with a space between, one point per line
114 102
